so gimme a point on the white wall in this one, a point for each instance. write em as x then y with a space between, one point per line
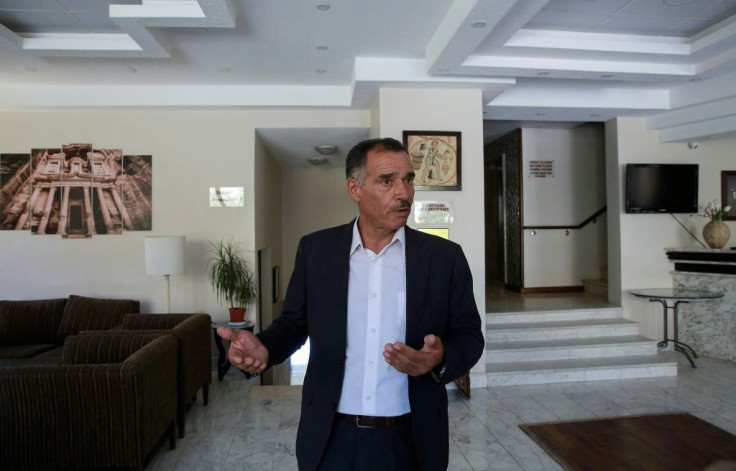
644 237
192 150
448 110
574 193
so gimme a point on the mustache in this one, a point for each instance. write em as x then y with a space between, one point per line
401 204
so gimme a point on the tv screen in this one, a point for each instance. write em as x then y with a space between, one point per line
661 188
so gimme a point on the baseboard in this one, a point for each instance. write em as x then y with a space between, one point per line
553 289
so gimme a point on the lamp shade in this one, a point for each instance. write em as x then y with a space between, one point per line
164 255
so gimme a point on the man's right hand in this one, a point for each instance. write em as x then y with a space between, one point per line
246 350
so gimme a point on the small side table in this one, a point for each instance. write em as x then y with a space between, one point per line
223 364
677 297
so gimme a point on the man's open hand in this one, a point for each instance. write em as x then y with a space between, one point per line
415 362
246 351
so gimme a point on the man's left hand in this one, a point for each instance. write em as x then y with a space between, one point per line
415 362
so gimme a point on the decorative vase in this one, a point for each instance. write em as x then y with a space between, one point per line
237 314
716 234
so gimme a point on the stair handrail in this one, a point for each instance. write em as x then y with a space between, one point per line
588 220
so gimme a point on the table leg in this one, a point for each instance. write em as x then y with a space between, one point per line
223 365
681 347
663 343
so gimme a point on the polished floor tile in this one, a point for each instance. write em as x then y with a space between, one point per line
253 427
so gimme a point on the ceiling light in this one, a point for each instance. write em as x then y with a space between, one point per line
676 3
478 24
317 160
226 70
322 48
321 71
323 7
606 75
326 149
542 74
541 114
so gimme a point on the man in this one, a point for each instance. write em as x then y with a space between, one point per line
389 325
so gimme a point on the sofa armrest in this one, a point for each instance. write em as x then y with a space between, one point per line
95 347
194 332
88 415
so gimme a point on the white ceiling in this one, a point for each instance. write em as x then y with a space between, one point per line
540 62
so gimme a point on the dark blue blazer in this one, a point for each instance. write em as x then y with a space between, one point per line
439 301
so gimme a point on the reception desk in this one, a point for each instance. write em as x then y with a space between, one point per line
709 327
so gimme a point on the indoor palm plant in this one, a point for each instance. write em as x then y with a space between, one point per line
234 283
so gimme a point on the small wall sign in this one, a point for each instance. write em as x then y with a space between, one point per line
541 168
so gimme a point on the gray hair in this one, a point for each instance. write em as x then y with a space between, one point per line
355 162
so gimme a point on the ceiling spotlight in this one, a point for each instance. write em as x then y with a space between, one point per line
326 149
322 48
317 160
226 70
323 7
478 24
607 76
321 71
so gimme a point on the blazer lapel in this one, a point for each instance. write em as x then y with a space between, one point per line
417 271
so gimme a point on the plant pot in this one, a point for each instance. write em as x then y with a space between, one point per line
237 314
716 234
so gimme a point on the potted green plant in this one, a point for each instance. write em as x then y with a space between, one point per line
234 283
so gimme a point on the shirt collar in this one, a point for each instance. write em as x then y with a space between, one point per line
357 242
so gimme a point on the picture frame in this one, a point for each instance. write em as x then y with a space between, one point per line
436 158
275 277
728 193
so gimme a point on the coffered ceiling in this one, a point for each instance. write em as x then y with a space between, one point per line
536 61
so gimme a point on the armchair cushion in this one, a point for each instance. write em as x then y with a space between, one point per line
90 415
30 322
82 313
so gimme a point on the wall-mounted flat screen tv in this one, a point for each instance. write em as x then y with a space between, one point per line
661 188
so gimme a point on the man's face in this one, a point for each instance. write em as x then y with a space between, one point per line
384 201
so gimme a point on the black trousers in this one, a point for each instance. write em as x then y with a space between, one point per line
352 448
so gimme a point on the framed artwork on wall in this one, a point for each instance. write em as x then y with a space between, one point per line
435 156
276 289
728 193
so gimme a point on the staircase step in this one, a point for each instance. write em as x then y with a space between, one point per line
560 330
589 369
553 315
501 352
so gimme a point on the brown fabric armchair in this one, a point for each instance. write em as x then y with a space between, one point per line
195 351
107 405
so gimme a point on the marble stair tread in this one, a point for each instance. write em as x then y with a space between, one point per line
570 343
559 324
588 347
553 315
581 363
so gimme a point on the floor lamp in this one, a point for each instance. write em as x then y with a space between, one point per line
165 256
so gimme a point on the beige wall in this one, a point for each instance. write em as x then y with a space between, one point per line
644 237
314 198
575 192
448 110
192 150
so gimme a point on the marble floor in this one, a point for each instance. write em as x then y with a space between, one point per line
251 427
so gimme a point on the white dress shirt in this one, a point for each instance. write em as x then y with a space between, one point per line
376 316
